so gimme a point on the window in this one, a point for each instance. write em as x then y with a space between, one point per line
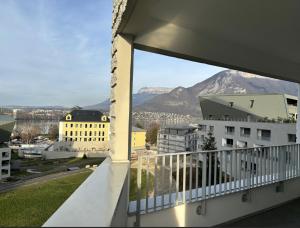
95 133
103 125
95 126
263 134
80 125
99 125
85 139
229 130
71 139
71 133
102 139
202 127
90 133
80 133
227 142
75 133
76 125
211 128
66 125
103 133
99 133
66 133
85 133
99 139
66 139
71 125
91 125
245 132
90 139
85 125
292 138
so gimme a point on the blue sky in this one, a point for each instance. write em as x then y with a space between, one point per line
57 52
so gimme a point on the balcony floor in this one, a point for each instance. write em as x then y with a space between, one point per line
286 215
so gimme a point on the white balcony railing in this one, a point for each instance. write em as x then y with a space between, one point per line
178 178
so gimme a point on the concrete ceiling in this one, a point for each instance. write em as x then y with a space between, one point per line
257 36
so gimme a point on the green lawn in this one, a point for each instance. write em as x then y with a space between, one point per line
33 205
133 184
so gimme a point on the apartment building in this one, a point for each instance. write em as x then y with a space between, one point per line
84 126
5 155
6 126
89 130
177 139
248 106
241 134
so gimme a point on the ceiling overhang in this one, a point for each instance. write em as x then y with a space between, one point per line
255 36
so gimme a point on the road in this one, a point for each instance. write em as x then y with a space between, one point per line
4 187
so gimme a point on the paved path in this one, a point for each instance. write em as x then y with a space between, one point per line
4 187
287 215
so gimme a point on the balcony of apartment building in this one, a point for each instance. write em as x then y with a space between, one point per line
245 132
193 188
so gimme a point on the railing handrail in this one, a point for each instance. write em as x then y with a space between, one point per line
212 151
215 173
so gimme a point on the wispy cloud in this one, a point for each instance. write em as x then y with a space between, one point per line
57 52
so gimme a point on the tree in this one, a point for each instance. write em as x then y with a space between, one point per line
209 142
151 134
28 133
53 132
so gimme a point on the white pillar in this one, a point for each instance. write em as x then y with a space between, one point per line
120 98
298 118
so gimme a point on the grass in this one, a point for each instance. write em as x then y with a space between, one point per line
32 205
133 184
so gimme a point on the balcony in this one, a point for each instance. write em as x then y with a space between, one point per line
186 186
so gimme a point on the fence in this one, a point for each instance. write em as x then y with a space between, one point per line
167 180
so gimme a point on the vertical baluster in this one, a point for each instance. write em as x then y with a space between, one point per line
225 176
248 168
298 160
221 173
170 180
265 164
260 165
240 169
147 183
209 174
155 181
139 194
197 175
184 178
163 185
271 163
177 178
235 169
204 176
230 176
191 177
215 171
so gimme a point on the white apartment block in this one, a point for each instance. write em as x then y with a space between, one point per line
241 134
177 139
4 162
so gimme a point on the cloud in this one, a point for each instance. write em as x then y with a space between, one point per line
49 55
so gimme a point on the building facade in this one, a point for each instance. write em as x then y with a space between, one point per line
241 134
249 107
84 126
5 154
177 139
138 138
88 130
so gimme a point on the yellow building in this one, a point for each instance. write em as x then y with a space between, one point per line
93 126
138 138
84 126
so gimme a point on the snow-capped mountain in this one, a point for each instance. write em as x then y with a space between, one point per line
155 90
185 100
